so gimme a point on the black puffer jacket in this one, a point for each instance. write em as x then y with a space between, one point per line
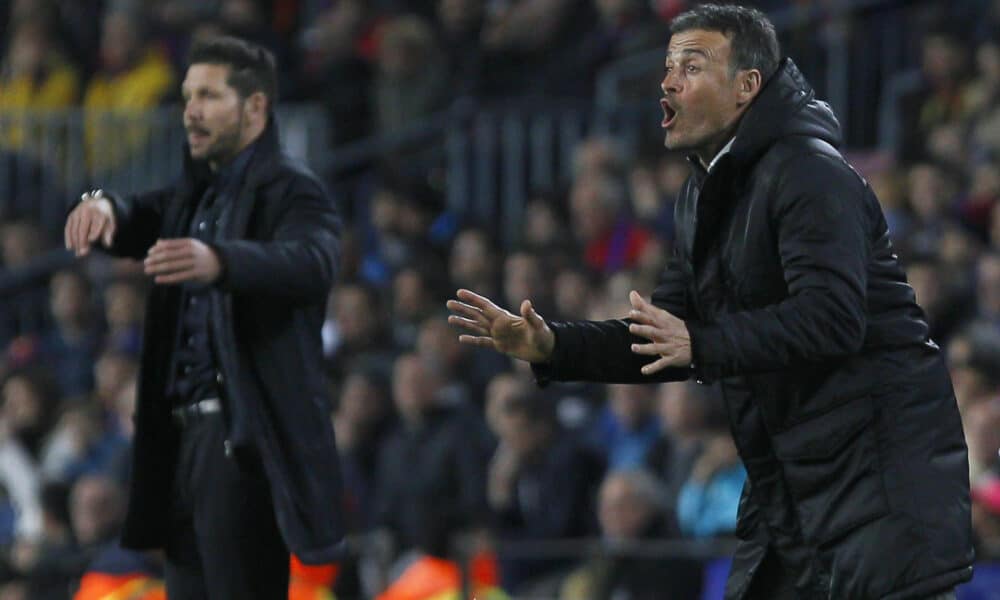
840 404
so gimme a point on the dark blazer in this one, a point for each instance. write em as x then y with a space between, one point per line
840 404
279 256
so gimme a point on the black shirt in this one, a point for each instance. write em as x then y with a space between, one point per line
193 366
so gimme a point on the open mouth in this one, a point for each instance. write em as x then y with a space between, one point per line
669 114
196 135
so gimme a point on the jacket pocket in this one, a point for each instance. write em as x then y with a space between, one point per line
831 467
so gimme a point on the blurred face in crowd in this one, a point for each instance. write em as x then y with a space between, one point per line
499 393
28 47
678 410
521 434
68 298
219 122
438 345
988 285
19 243
942 58
927 190
630 404
470 261
21 405
123 305
413 387
411 298
361 402
702 97
622 510
592 206
354 314
95 509
119 44
572 293
111 372
522 278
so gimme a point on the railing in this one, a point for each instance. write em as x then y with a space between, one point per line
51 157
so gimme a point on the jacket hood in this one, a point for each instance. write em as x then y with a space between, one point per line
786 106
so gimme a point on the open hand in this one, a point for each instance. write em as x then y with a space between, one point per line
180 260
524 336
668 335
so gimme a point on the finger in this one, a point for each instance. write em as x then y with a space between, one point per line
469 312
67 230
644 317
635 299
171 278
468 324
529 314
659 365
109 233
80 232
481 302
649 332
481 341
651 349
170 266
96 225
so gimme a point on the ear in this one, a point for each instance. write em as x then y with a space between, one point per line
750 82
256 105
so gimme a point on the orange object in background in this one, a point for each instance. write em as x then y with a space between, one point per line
311 582
431 578
105 586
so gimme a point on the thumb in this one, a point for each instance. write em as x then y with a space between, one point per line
636 300
109 235
529 314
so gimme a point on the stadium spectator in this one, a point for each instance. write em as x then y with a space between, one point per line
134 76
541 486
411 79
611 241
34 76
431 467
631 509
627 428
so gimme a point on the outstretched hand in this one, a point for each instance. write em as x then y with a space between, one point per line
668 335
524 336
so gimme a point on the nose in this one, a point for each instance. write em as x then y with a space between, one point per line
190 111
670 83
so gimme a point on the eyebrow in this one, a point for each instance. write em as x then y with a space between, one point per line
688 52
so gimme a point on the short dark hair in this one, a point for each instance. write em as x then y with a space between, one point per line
252 68
751 34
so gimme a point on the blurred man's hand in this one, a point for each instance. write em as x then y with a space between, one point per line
92 220
524 336
182 260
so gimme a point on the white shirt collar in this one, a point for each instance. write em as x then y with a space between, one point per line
721 153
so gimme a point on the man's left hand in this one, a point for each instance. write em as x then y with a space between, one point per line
181 260
668 335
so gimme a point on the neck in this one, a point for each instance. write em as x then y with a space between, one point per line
712 147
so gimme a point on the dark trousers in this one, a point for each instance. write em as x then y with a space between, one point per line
224 540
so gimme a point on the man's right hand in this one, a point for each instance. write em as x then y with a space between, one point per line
93 219
526 337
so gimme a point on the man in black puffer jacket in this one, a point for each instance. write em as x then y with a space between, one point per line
785 288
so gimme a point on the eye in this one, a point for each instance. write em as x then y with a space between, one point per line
692 69
667 69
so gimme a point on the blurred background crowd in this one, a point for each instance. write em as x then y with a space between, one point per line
447 450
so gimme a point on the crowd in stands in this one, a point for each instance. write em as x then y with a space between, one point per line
439 439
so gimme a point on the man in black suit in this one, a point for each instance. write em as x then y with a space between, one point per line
785 288
234 459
